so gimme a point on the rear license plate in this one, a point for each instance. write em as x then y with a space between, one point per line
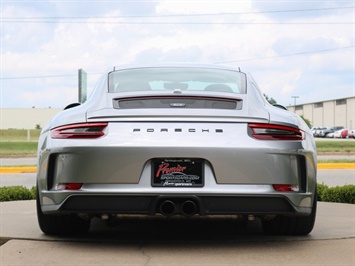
177 173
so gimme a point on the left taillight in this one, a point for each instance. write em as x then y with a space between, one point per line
79 131
275 132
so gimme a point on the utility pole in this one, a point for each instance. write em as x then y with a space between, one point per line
295 97
82 86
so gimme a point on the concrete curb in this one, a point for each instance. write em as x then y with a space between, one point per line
33 169
17 169
330 166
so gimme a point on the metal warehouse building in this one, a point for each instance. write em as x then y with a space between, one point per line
25 118
338 112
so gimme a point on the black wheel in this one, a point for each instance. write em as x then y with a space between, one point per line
284 225
69 224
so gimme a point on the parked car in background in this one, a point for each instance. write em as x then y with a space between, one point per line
342 133
324 132
314 129
185 140
318 131
351 133
331 135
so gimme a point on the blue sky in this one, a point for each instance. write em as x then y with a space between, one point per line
292 48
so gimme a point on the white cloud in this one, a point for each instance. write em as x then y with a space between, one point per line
38 49
201 6
291 79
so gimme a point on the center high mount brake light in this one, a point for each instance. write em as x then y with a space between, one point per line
79 131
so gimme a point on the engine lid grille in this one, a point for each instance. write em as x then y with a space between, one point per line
191 102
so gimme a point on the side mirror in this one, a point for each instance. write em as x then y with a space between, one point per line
71 105
280 106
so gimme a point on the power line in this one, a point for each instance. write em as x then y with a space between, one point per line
35 77
285 55
224 62
78 20
188 23
184 15
47 76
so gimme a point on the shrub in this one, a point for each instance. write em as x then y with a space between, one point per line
321 188
16 193
344 194
34 192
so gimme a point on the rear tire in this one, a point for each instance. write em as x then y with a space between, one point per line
69 224
284 225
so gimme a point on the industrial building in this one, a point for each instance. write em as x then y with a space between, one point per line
26 118
338 112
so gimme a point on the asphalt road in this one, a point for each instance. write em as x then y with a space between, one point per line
17 161
27 180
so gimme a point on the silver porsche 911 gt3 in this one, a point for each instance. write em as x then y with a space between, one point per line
176 140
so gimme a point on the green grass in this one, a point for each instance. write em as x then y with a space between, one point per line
19 135
337 161
335 146
18 142
18 148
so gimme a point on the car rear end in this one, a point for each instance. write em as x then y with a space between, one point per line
178 153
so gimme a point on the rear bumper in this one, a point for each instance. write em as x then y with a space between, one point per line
205 204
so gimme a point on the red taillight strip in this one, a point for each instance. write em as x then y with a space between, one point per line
79 131
275 132
175 97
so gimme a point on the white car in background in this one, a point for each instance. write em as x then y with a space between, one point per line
318 131
341 133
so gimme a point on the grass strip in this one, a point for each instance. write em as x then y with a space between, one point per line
19 134
336 146
18 147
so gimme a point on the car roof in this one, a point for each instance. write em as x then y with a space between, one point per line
187 65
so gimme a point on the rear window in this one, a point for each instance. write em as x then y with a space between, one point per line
189 79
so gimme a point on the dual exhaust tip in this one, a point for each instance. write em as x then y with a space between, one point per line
187 208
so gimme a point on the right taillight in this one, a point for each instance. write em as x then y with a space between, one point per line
79 131
275 132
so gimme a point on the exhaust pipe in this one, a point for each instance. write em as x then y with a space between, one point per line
188 208
167 208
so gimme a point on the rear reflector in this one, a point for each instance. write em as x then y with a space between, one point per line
69 186
275 132
285 188
79 131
